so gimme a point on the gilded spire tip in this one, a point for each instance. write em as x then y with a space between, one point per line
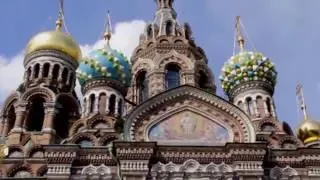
108 32
302 104
59 21
239 35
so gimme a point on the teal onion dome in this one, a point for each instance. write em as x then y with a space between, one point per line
105 63
247 66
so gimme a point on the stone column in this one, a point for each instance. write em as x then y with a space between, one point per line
96 104
21 112
255 107
273 111
5 127
265 107
41 71
48 124
116 113
68 79
87 108
107 104
60 74
50 71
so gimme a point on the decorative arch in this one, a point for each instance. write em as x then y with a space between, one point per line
42 171
92 122
14 96
75 127
173 57
155 107
84 136
14 169
105 140
268 125
16 151
43 92
35 151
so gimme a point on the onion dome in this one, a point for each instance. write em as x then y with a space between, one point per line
54 40
309 131
105 63
247 66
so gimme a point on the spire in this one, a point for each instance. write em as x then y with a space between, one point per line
301 100
165 10
239 35
59 21
163 4
108 31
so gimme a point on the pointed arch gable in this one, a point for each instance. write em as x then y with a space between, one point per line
173 56
158 105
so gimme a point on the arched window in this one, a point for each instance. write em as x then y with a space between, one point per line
92 103
240 105
249 105
64 75
28 73
169 28
36 114
112 104
71 78
142 86
120 107
36 70
11 118
260 106
172 76
102 103
203 80
149 31
268 102
55 71
45 72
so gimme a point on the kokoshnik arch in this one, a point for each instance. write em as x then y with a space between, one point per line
155 116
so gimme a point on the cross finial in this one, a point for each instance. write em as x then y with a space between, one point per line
108 31
59 21
239 35
299 92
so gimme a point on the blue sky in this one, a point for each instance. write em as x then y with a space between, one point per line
286 30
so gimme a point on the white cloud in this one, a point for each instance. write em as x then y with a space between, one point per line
125 38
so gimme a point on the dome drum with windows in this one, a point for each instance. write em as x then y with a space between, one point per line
247 66
105 63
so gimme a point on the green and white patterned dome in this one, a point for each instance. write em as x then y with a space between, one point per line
245 67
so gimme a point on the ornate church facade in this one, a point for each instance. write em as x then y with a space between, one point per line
156 116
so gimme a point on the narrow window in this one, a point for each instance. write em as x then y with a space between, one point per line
142 87
169 28
36 70
112 104
36 114
249 105
172 76
55 71
92 103
45 71
64 75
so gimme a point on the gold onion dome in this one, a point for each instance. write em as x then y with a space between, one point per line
54 40
309 131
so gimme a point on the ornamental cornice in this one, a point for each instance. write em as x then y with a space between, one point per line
163 98
103 82
95 156
134 150
62 154
243 87
51 53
